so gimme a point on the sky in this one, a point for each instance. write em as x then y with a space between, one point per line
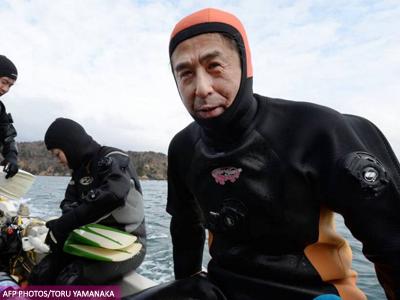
105 63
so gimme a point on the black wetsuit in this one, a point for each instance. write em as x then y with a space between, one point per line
104 189
261 198
7 136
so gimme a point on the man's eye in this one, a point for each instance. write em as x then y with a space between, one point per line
214 65
185 74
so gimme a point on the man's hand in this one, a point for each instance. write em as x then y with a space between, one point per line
10 167
55 239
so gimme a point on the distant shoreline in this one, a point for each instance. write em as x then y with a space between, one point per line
33 157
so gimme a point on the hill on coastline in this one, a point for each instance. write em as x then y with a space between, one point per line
34 158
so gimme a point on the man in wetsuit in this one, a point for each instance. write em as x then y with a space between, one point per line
104 189
8 76
263 176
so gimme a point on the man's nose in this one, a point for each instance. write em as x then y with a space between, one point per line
4 88
204 86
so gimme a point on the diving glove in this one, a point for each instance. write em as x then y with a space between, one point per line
10 165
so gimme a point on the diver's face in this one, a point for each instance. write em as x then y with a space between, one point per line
60 156
5 84
208 73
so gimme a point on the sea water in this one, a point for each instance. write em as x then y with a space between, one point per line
47 192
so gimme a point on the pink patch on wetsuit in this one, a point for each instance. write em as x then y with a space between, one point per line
224 174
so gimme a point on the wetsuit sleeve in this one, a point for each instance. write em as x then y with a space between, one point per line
7 135
113 188
361 177
71 200
187 229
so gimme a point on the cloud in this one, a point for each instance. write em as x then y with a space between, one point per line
343 56
105 63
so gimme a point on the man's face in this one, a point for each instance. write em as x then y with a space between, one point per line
208 72
60 156
5 84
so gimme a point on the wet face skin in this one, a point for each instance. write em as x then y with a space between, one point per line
208 73
60 156
5 84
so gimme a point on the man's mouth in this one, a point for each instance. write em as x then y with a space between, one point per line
207 108
209 111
